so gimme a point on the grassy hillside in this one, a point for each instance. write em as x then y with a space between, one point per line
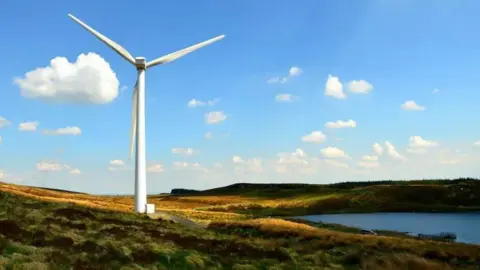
303 199
37 234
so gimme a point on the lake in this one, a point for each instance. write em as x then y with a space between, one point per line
465 225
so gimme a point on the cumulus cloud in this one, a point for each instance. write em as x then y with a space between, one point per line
75 171
335 163
370 158
360 87
208 135
155 168
237 159
215 117
4 122
297 157
181 165
411 105
377 148
117 162
46 166
416 150
369 164
63 131
88 80
254 165
392 152
28 126
285 98
184 151
333 152
334 88
198 103
341 124
314 137
293 72
419 142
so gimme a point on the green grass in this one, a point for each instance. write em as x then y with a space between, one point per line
39 235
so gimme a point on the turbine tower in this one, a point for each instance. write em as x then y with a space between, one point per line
137 133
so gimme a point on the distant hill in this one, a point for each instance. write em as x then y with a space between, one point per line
242 188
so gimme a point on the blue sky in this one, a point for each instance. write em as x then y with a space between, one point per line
402 49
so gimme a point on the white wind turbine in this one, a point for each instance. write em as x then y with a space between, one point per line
138 110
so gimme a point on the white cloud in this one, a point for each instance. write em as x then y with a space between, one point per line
435 91
117 162
215 117
297 157
392 152
155 168
208 135
179 165
112 169
89 80
0 139
28 126
314 137
370 158
46 166
2 174
75 171
184 151
419 142
477 143
4 122
334 88
285 98
411 105
341 124
416 150
369 164
377 148
336 163
293 72
237 159
254 165
360 87
198 103
64 131
333 152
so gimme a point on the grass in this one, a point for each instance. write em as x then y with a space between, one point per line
50 229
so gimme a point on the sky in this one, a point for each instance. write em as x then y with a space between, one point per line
298 92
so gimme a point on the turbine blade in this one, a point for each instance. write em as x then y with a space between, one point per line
110 43
133 129
173 56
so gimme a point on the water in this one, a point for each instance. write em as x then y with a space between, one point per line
465 225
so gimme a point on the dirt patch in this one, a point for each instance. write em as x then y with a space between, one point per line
11 229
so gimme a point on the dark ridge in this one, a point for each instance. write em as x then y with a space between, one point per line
244 187
61 190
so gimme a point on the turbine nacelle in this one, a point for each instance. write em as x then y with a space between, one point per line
140 62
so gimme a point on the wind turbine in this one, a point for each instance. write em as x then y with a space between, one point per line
137 132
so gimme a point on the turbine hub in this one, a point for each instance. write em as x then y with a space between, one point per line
140 63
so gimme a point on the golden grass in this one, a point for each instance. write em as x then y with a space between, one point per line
279 227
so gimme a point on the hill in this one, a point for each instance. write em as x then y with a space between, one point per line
352 197
37 234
